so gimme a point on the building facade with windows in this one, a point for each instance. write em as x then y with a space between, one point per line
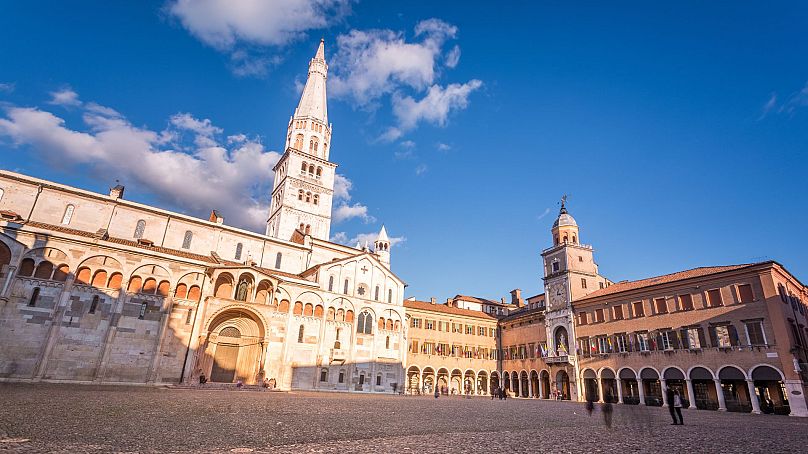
96 288
450 348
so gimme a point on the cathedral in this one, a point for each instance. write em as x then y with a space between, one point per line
95 288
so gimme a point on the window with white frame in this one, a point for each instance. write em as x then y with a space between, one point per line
693 338
642 341
755 333
667 339
620 340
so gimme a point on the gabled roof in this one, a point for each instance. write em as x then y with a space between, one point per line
625 286
474 299
444 309
370 255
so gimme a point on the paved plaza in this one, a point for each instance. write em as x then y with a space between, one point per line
74 418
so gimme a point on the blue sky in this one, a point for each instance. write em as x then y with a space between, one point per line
679 131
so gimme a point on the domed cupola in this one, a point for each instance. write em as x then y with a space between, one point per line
565 229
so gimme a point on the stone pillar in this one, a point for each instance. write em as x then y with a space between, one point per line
664 387
11 270
722 404
691 395
600 389
753 396
641 390
530 387
420 382
796 402
619 390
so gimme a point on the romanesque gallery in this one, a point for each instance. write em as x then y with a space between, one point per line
98 289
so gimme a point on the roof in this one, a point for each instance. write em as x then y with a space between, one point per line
475 299
444 309
159 249
625 286
522 311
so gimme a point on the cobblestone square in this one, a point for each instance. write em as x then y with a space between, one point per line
74 418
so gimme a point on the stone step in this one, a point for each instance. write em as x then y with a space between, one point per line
220 386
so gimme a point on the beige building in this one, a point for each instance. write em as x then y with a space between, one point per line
450 347
96 288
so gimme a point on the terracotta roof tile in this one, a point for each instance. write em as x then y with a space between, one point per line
162 250
475 299
664 279
427 306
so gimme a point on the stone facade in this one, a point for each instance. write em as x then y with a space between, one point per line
95 288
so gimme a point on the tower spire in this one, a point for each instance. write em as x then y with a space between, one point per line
313 100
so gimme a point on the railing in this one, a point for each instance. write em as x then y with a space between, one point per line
557 359
338 354
693 351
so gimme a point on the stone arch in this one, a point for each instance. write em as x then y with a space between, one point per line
263 292
5 255
232 349
244 286
44 270
731 372
753 369
99 279
27 267
698 370
669 374
223 288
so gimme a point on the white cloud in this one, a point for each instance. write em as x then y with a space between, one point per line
443 146
543 214
362 238
408 144
342 187
7 87
345 211
403 154
453 57
435 106
224 23
235 181
246 28
370 64
65 97
795 101
421 169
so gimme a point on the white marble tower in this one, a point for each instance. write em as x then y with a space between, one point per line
304 178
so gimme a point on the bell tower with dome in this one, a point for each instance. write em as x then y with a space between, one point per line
570 273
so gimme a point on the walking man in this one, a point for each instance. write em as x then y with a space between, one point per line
669 395
677 406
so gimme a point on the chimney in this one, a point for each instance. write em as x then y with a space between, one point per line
433 300
516 297
503 300
116 192
216 217
449 302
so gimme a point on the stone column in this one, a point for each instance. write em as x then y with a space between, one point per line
600 389
530 387
796 402
619 390
664 387
11 270
753 397
641 390
691 395
722 404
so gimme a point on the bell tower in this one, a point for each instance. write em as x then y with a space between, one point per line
304 177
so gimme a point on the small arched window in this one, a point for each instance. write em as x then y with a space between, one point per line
304 166
379 380
299 142
324 374
308 229
345 287
376 294
330 283
186 240
311 169
239 247
34 297
300 332
316 199
390 296
278 258
68 214
387 343
308 197
319 172
574 239
140 228
300 193
94 304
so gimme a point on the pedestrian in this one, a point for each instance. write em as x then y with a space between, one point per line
494 392
677 406
202 379
606 408
437 392
590 404
504 394
669 397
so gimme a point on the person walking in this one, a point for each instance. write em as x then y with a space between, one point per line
677 406
669 397
590 404
606 408
494 392
437 392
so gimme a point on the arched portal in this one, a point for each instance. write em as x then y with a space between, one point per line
482 382
591 393
523 385
545 384
770 390
494 385
442 381
457 382
608 385
563 385
534 384
233 347
413 380
429 380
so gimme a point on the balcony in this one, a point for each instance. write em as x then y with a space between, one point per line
557 359
338 355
